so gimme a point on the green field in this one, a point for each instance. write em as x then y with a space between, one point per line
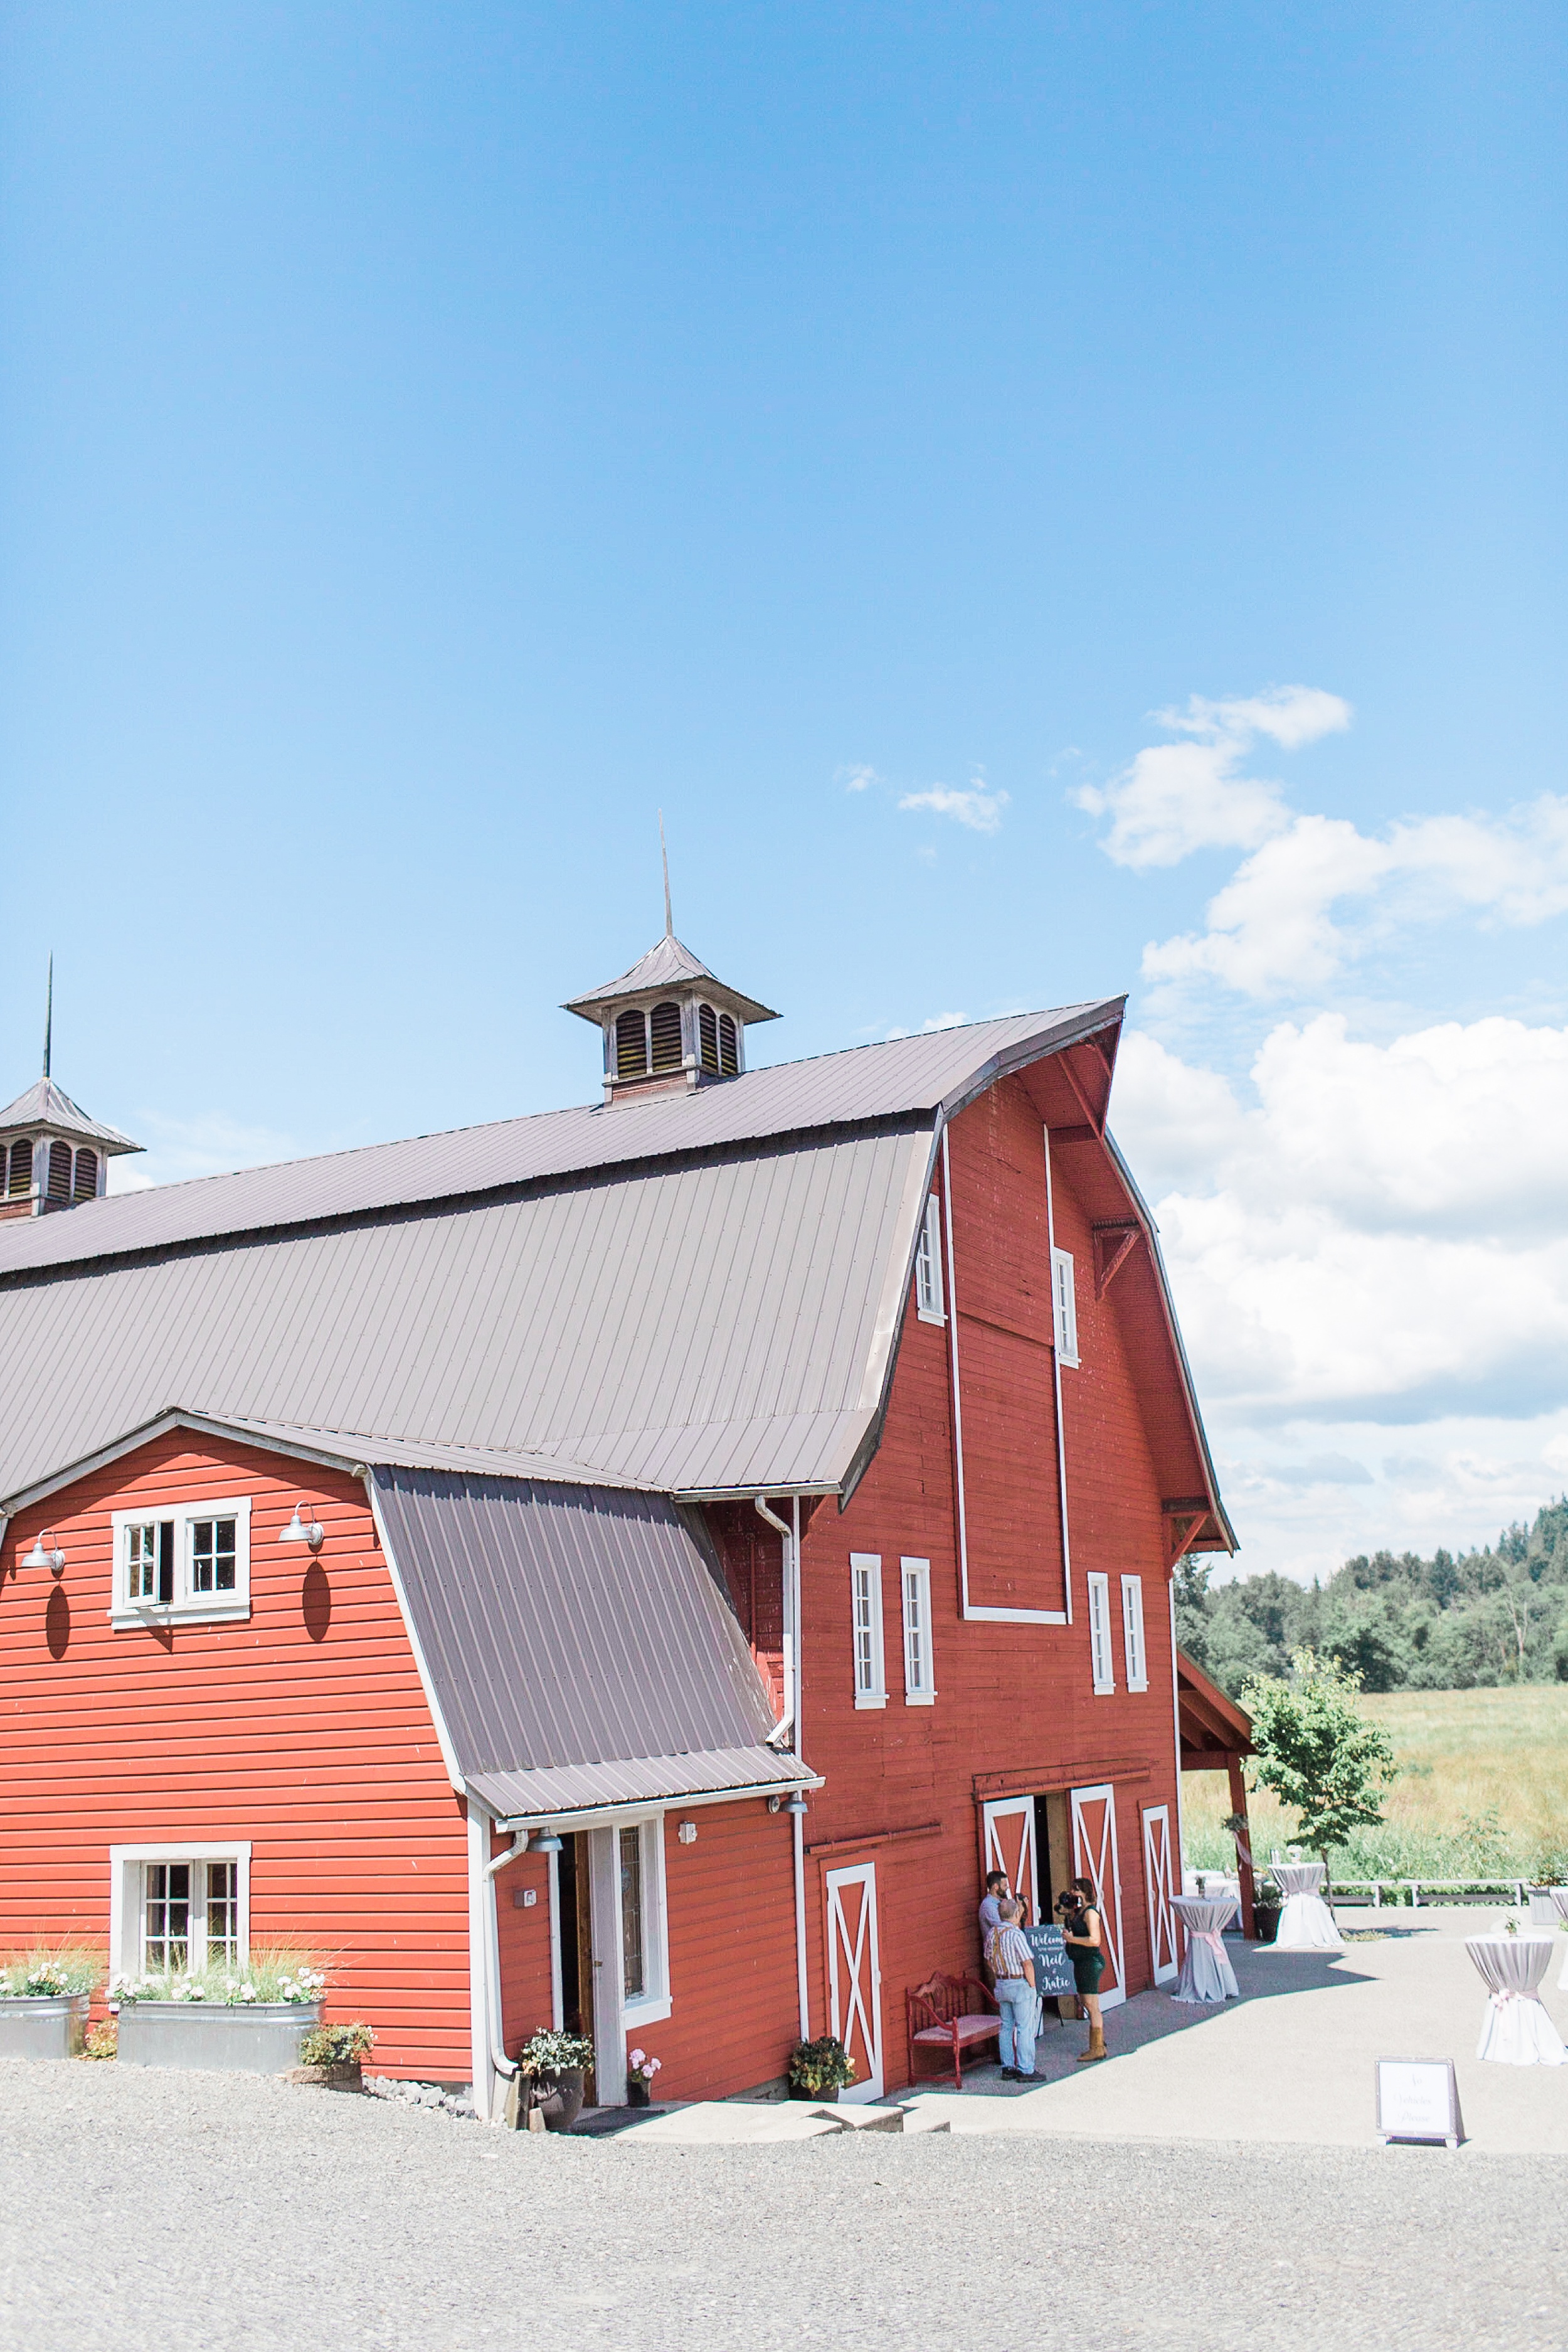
1483 1786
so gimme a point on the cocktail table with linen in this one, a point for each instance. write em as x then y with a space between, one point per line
1306 1923
1560 1897
1206 1970
1516 2030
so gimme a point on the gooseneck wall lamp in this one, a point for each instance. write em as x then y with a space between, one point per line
44 1554
305 1531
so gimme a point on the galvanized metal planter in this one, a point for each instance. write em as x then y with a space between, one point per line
260 2038
42 2025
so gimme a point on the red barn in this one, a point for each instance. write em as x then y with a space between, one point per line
639 1562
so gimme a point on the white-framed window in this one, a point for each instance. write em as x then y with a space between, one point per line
190 1562
919 1677
1099 1657
1064 1297
644 1941
865 1606
928 1296
1133 1633
178 1906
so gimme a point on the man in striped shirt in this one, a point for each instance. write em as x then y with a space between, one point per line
1010 1961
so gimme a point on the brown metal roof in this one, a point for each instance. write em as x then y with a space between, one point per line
580 1648
667 964
911 1077
47 1105
1212 1726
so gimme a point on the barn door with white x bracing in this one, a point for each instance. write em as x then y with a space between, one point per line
1094 1856
1009 1846
1157 1886
855 1977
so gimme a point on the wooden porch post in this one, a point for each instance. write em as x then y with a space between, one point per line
1243 1847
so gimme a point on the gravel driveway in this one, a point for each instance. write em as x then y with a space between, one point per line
147 2208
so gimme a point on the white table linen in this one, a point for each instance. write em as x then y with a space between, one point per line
1306 1923
1206 1970
1516 2030
1560 1897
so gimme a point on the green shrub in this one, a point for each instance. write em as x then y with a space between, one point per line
549 2053
336 2045
821 2065
102 2039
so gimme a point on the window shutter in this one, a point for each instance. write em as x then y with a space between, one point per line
728 1046
1100 1659
667 1027
22 1166
707 1037
630 1045
1066 1301
87 1175
1133 1631
59 1171
865 1591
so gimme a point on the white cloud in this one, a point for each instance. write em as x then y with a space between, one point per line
934 1021
855 780
1370 1263
977 807
1175 798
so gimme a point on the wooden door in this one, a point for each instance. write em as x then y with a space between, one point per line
854 1975
1094 1856
1009 1846
1158 1887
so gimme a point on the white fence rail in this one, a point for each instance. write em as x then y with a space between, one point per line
1416 1892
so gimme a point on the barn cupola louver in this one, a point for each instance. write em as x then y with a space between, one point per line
668 1024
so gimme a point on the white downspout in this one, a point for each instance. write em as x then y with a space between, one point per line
788 1729
1176 1712
1056 1373
499 2061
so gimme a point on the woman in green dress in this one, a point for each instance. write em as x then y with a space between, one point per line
1081 1933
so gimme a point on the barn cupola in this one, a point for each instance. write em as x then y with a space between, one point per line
52 1156
668 1024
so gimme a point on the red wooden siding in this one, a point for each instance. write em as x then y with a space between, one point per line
304 1730
731 1898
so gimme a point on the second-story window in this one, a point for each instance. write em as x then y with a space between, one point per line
1065 1300
1133 1643
865 1605
192 1562
1100 1658
919 1684
928 1264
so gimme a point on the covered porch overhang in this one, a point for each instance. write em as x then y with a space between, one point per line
1215 1735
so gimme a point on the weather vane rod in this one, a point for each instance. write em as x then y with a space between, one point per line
50 1014
663 853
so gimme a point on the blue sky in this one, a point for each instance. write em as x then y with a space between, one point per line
432 440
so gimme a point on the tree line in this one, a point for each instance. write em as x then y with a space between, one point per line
1400 1622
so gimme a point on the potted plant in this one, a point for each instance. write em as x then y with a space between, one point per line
555 2064
44 1998
333 2056
1266 1901
819 2069
247 2020
640 2072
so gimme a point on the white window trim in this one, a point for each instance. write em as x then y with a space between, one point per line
930 1305
919 1571
876 1695
1064 1305
1102 1657
1135 1644
652 2007
187 1608
125 1890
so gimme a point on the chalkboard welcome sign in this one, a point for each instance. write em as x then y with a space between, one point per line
1053 1966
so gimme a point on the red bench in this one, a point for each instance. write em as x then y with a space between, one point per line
951 2014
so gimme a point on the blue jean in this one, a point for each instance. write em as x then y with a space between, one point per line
1020 2022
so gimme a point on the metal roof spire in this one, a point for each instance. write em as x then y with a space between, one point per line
50 1014
669 923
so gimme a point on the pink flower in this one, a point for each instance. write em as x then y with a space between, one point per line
636 2057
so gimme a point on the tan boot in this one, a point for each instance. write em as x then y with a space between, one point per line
1096 2047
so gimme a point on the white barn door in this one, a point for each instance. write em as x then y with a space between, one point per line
1009 1846
1094 1856
854 1976
1158 1884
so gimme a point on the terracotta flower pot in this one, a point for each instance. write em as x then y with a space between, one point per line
558 2098
337 2074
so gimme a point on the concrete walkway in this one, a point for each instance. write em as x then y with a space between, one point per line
1293 2060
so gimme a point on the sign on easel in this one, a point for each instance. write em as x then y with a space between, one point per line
1418 2099
1052 1963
